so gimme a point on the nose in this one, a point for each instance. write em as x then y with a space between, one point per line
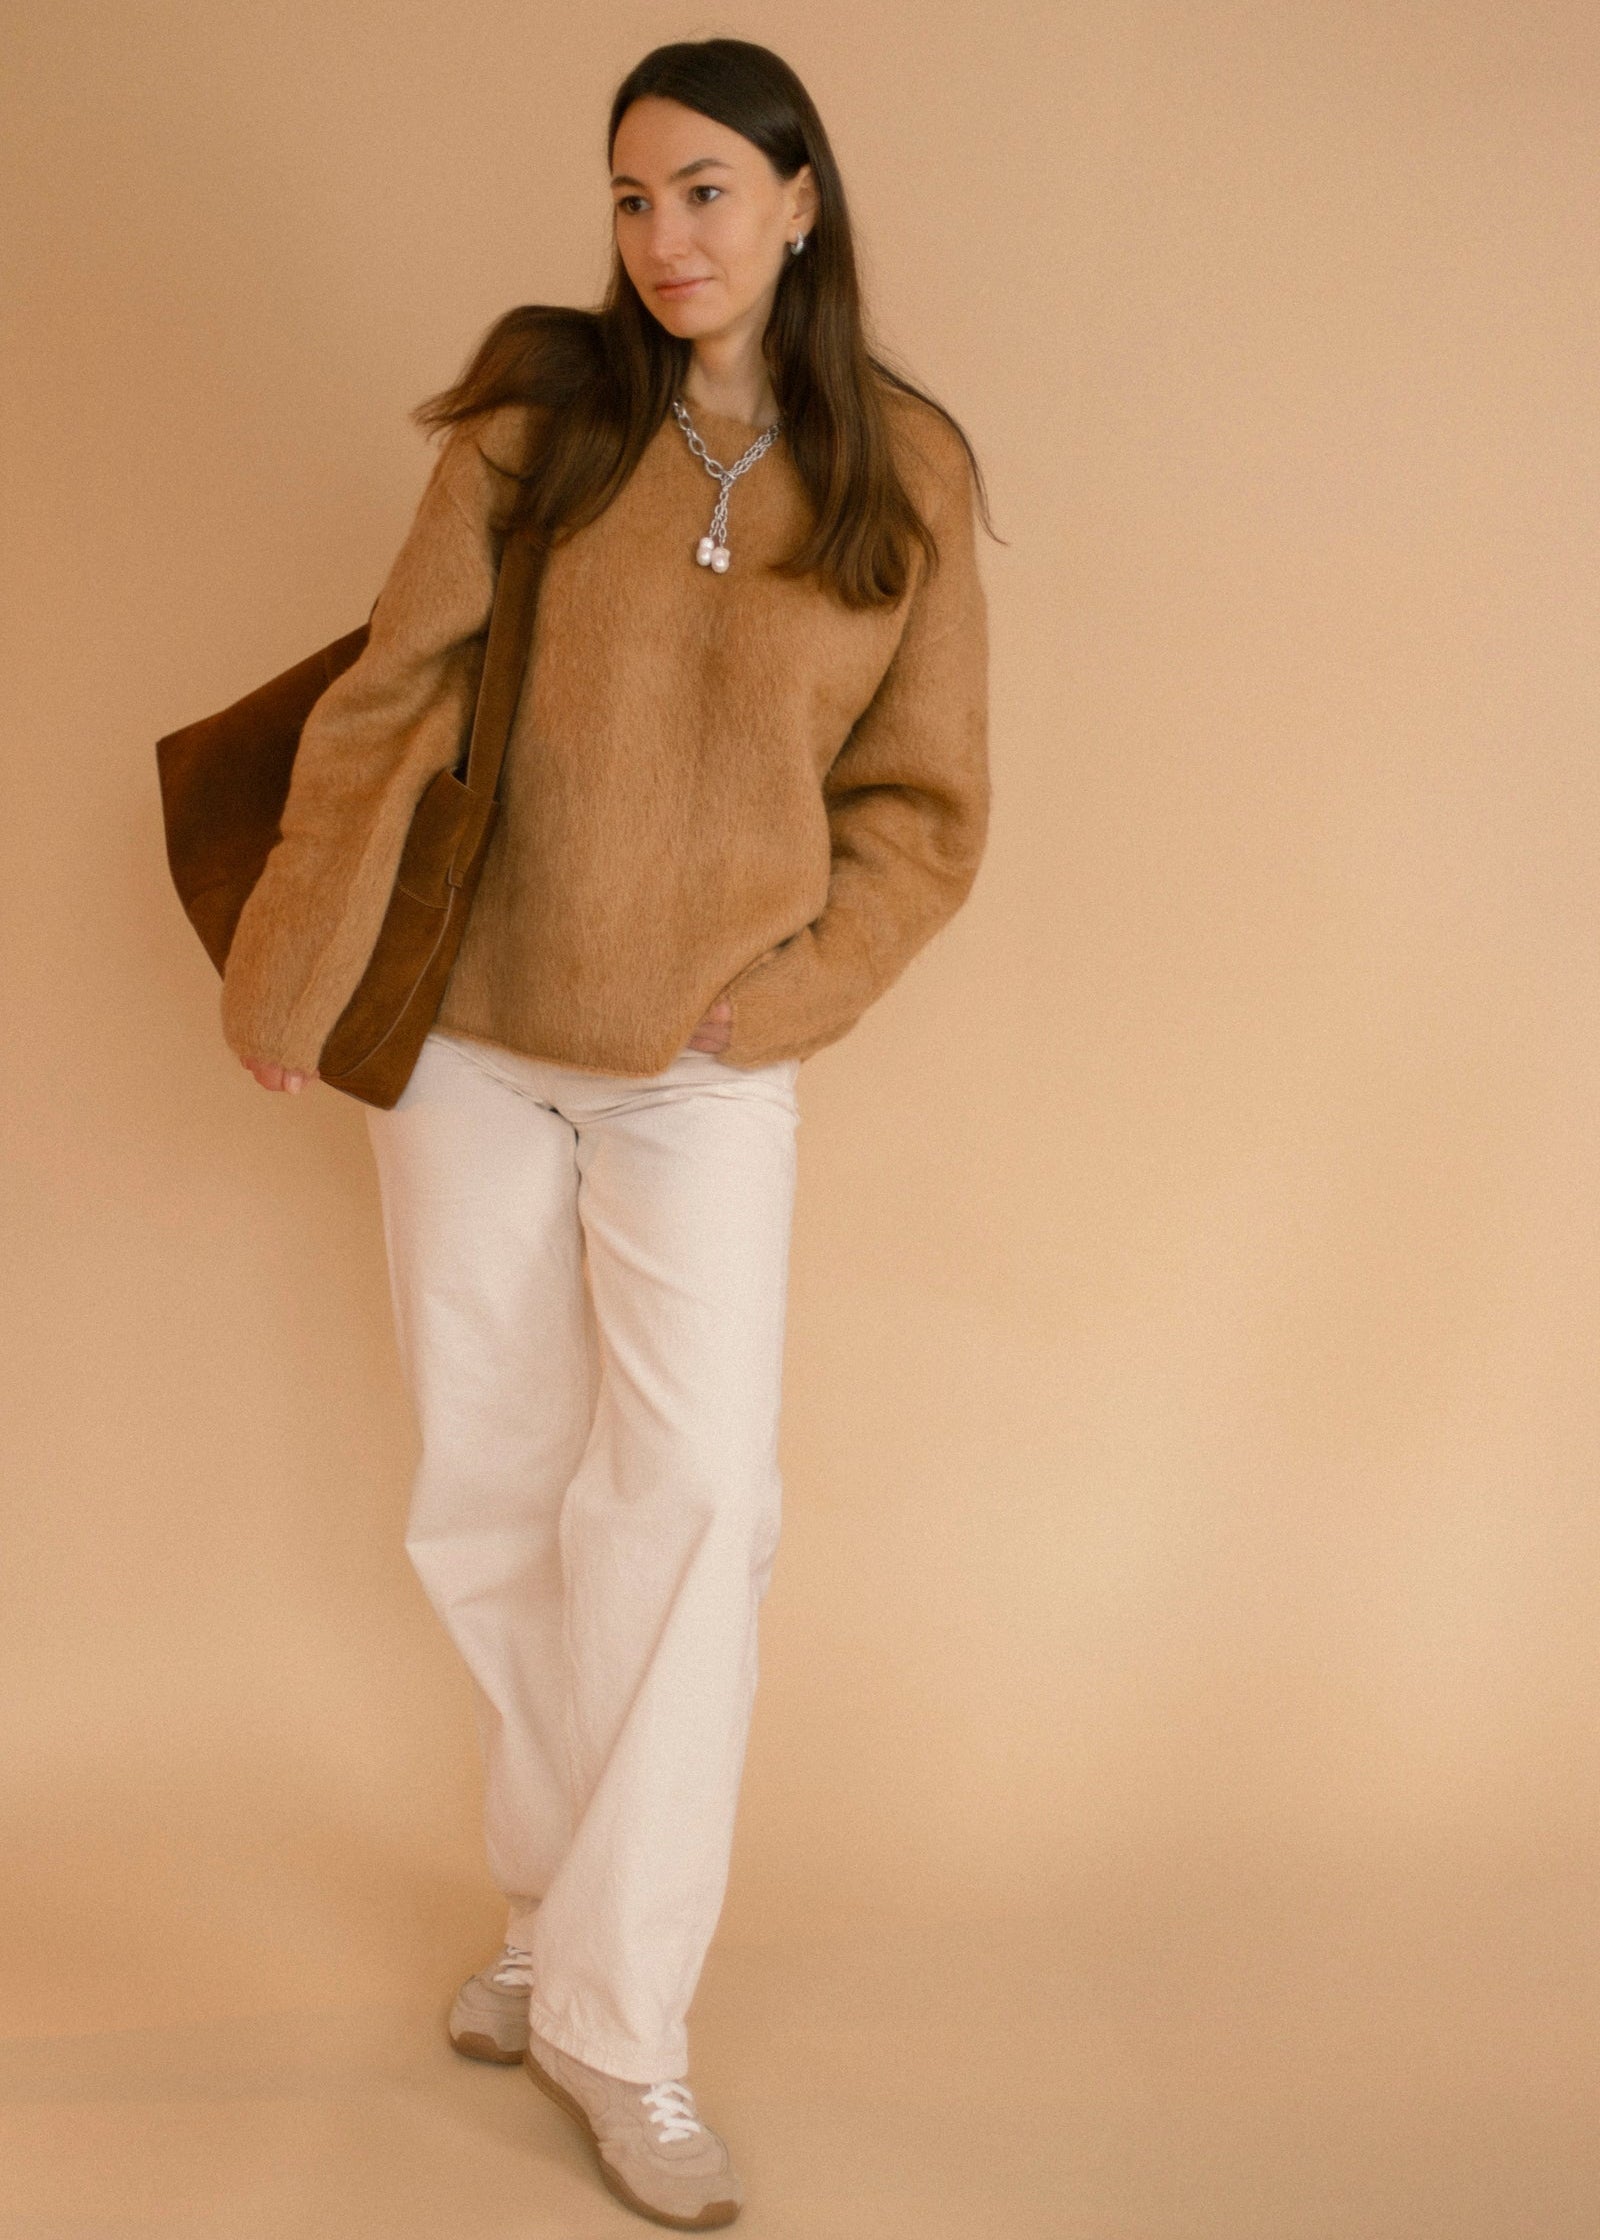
667 236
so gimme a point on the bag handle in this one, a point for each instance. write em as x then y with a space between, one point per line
505 658
505 666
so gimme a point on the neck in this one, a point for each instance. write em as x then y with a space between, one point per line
726 375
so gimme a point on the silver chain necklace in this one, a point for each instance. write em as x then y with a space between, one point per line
712 550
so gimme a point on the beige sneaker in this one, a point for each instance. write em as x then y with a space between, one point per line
655 2154
489 2021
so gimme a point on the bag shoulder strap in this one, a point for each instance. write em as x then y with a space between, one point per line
505 659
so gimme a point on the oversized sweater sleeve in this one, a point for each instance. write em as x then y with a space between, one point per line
370 745
907 801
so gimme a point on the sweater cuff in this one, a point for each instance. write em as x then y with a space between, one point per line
294 1044
799 997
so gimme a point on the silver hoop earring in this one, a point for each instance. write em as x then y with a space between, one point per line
797 244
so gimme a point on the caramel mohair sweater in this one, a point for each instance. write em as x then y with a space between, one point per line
717 785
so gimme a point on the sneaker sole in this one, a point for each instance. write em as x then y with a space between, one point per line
476 2047
713 2214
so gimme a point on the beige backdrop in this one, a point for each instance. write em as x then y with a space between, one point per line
1172 1804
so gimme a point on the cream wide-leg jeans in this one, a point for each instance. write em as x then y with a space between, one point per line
589 1275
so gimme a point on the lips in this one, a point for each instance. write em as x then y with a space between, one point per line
680 287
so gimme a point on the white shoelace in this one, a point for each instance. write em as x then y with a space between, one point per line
513 1971
670 2106
672 2109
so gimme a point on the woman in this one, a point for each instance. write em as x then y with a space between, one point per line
746 782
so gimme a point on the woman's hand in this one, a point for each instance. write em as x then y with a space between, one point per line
278 1077
715 1031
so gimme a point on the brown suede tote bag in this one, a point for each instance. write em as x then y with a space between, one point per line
224 782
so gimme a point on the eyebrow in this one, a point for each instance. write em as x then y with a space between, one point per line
699 164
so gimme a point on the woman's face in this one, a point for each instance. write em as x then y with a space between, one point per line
698 204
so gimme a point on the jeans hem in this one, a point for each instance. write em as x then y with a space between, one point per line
608 2059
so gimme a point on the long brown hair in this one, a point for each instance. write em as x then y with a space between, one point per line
609 376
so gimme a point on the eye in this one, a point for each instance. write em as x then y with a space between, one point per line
624 202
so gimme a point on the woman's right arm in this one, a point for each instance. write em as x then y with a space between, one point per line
370 746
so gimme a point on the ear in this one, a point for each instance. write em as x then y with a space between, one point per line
802 196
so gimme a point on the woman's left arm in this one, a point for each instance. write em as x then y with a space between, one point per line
908 809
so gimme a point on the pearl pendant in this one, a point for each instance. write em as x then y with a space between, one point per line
720 559
710 554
